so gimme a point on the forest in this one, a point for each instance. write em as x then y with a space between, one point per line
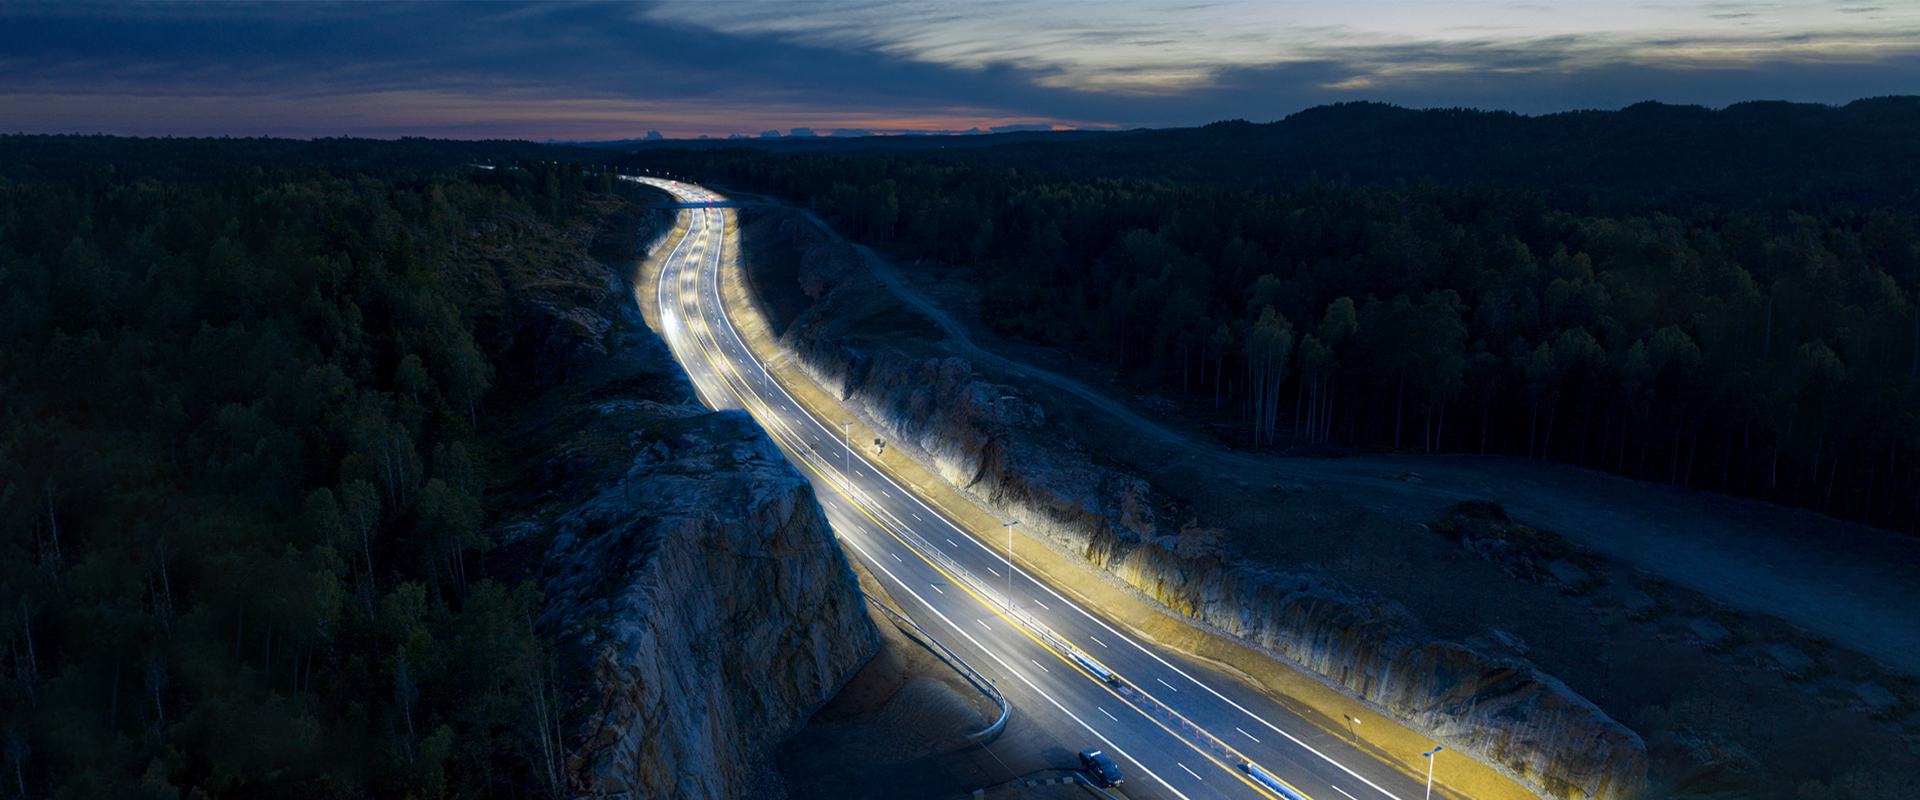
245 466
1765 350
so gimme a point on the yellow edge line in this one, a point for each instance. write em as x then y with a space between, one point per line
782 438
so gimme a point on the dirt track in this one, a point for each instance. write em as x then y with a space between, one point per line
1856 586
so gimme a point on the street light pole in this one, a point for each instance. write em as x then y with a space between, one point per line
1009 527
1429 757
847 437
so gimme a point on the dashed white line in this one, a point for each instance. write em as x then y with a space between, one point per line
950 541
1166 684
1246 734
1343 791
982 624
1196 775
1109 716
1023 679
995 574
1096 640
896 557
936 587
1043 667
1042 605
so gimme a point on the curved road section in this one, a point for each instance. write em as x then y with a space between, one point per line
1177 729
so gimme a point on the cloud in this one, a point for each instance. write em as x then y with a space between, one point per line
614 70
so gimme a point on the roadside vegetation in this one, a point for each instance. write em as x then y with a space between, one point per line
244 468
1762 350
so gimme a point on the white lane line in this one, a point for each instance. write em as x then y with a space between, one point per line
713 258
1109 716
883 491
950 541
1196 775
1042 667
936 587
896 557
983 624
1042 605
1023 678
995 574
1096 640
1343 791
1246 734
1166 684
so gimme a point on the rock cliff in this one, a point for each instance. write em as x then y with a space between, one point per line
717 611
991 442
702 606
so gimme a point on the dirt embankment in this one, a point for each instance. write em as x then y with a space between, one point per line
1320 561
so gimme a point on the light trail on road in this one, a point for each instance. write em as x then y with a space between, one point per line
1161 733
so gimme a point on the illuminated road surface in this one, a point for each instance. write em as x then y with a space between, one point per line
1177 730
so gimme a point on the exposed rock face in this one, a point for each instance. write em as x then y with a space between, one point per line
716 606
703 607
1501 709
983 438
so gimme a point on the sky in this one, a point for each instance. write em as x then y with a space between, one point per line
616 70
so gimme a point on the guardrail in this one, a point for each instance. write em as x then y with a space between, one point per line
1006 708
1168 719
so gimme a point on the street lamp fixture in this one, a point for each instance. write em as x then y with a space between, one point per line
1429 757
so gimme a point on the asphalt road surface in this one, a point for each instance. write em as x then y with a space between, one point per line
1177 729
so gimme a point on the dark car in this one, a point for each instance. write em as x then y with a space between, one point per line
1100 768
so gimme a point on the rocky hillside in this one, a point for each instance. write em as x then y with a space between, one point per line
995 443
698 595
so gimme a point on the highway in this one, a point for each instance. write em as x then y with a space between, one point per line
1177 730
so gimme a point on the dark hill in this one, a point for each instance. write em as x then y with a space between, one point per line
1758 152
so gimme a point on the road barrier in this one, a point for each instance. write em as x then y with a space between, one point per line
746 390
1006 708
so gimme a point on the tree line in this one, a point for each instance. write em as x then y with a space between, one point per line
243 478
1767 353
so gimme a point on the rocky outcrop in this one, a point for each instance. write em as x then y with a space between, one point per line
713 603
1498 707
985 439
702 606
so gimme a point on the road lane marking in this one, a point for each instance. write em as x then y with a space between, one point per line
995 574
1096 640
1343 791
1166 684
896 557
1196 775
1023 678
1042 667
936 587
950 541
710 261
1246 734
1109 716
1042 605
983 623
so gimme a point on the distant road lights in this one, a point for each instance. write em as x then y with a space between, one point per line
1009 527
1429 757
